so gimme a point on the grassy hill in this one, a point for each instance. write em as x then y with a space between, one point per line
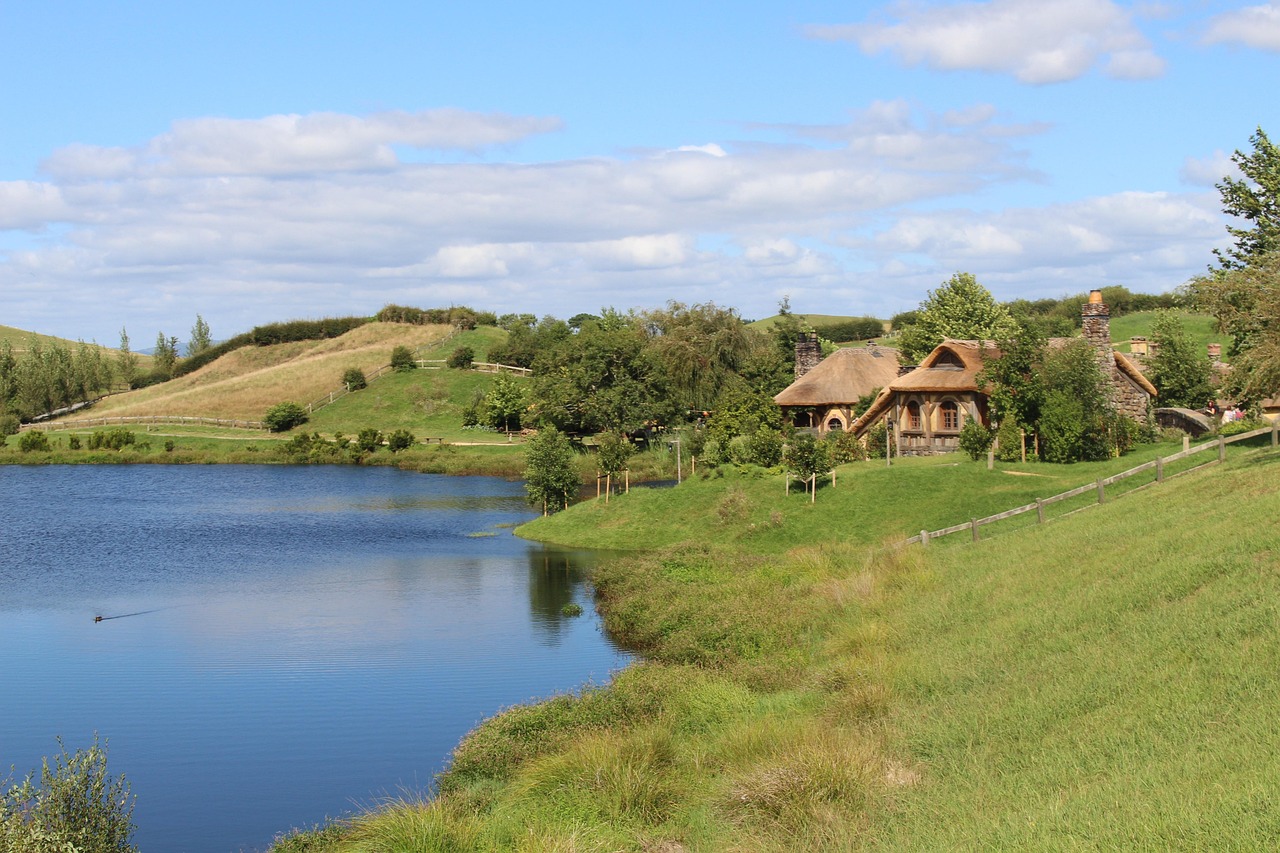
1201 327
1105 681
18 339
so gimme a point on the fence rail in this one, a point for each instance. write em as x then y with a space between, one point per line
80 423
1220 444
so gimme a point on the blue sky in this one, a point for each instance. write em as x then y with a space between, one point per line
253 162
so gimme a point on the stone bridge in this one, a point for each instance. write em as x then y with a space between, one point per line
1188 420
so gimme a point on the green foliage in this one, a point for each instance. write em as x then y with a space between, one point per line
550 474
201 339
311 447
742 411
960 308
354 379
368 439
165 356
116 438
1246 304
614 451
76 806
168 445
455 315
1180 370
73 442
461 358
1255 198
400 439
1009 447
283 417
1013 382
1076 417
9 424
505 402
975 439
806 456
764 447
854 329
126 361
273 333
33 441
878 442
845 447
699 349
402 359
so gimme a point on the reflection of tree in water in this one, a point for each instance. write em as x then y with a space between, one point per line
554 575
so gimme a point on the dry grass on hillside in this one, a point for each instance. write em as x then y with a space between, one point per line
247 382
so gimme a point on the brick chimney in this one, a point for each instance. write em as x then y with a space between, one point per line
1096 320
808 353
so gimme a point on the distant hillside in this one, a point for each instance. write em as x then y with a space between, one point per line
18 339
248 381
1201 327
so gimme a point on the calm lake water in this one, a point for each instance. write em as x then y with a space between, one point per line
279 644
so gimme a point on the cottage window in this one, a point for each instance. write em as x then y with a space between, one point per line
913 416
950 416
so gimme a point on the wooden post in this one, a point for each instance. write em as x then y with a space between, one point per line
1222 448
924 538
1159 469
991 458
1275 432
975 529
693 466
608 486
1023 434
1039 511
833 478
627 481
788 478
1102 495
1186 442
813 482
597 485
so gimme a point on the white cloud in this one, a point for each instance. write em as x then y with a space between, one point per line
1035 41
293 144
1253 26
1208 171
29 205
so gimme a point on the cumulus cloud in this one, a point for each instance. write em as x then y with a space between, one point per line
293 144
1208 171
1257 27
1035 41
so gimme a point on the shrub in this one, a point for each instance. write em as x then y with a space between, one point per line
33 441
764 447
354 379
73 442
844 447
76 806
461 358
402 359
399 440
1009 448
1237 427
368 439
283 417
876 441
168 445
116 438
9 424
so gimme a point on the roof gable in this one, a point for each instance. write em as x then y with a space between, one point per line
842 377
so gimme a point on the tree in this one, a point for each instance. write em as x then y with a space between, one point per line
400 439
1076 417
461 358
549 474
614 449
805 456
201 339
126 361
166 355
285 416
1179 369
1246 303
402 359
1255 198
504 403
1013 381
78 806
961 308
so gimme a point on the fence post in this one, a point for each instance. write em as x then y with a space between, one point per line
1102 496
1275 432
991 458
924 538
1159 469
1039 511
1222 448
974 521
1186 442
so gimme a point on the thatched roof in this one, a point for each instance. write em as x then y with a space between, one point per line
842 377
1128 368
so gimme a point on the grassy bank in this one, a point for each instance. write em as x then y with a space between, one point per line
1104 681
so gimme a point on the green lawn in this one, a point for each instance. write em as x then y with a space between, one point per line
1201 328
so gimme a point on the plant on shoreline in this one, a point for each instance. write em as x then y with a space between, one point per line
283 417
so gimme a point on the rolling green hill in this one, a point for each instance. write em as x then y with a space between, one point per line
1201 328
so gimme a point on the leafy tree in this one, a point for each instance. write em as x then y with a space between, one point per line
368 439
549 474
461 358
806 456
126 361
742 411
201 339
402 359
504 402
1180 370
764 447
975 439
399 440
614 451
699 348
165 356
354 379
283 417
1013 381
961 308
1076 415
33 441
1255 198
77 805
1246 303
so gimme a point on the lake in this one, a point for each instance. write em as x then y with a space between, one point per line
279 644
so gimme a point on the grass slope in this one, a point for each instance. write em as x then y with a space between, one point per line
1201 328
1104 682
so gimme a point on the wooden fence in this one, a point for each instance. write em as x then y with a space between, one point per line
973 525
80 423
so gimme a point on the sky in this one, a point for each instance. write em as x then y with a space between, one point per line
260 162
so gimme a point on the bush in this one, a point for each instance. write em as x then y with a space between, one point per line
33 441
9 424
73 442
1009 448
368 439
116 438
168 445
461 358
354 379
975 439
399 440
844 447
876 441
402 359
77 806
283 417
764 447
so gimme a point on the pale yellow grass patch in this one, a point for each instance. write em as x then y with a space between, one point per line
245 383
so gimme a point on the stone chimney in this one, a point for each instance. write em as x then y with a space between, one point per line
808 353
1096 320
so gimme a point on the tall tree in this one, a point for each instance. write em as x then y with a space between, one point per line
165 355
549 474
961 308
1180 370
201 339
1254 198
1246 303
126 361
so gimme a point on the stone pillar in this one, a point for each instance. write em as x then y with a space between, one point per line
808 353
1096 322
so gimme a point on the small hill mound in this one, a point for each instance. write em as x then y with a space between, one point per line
246 382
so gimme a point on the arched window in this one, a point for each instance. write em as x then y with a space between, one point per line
950 416
835 425
913 415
